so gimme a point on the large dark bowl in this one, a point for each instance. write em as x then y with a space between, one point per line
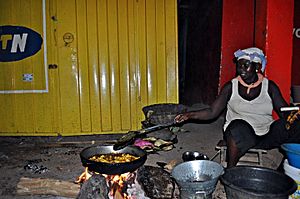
250 182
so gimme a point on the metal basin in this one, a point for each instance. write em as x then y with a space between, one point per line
198 177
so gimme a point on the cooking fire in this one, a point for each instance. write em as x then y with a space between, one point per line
144 183
122 186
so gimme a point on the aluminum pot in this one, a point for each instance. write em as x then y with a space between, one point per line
193 155
198 178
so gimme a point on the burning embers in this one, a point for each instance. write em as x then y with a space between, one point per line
144 183
84 176
117 184
123 186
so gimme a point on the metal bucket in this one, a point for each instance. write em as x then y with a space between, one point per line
197 179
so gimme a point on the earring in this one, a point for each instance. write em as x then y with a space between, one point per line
256 70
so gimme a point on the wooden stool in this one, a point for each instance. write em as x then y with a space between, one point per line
222 147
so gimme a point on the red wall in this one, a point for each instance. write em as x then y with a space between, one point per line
296 46
261 24
237 32
273 33
279 43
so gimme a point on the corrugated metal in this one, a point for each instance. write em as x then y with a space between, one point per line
26 113
123 57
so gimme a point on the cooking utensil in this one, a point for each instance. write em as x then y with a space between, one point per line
193 155
198 178
291 108
257 183
112 168
129 138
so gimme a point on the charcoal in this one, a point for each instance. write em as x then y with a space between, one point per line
156 182
35 168
94 188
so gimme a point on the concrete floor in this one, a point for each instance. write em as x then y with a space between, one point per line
58 157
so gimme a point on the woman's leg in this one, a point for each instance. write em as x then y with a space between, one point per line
240 137
232 152
279 135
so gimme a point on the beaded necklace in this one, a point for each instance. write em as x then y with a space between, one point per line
253 85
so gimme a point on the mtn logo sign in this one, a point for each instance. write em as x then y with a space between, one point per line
17 43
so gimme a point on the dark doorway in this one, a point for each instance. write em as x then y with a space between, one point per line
199 29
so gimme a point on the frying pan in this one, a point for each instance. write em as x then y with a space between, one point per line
112 168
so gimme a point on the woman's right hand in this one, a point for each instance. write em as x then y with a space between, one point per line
181 118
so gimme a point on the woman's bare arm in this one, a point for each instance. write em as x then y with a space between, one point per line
213 111
277 99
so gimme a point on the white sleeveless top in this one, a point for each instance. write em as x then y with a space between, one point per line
257 112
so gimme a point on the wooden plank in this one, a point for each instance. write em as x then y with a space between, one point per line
39 186
80 143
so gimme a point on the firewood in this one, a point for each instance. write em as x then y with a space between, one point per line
77 143
39 186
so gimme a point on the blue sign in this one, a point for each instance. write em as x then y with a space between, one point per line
17 43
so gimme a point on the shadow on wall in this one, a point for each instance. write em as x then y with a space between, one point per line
295 91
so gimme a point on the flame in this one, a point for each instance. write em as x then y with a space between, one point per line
83 177
115 183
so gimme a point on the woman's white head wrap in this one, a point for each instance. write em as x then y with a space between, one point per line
252 54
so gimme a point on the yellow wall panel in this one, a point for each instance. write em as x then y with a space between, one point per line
67 66
104 72
124 64
54 89
133 83
114 63
171 51
161 51
17 13
24 112
7 122
140 11
93 65
151 51
107 59
83 70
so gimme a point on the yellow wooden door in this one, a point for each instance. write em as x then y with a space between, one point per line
26 101
107 59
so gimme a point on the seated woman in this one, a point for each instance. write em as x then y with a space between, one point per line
249 100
